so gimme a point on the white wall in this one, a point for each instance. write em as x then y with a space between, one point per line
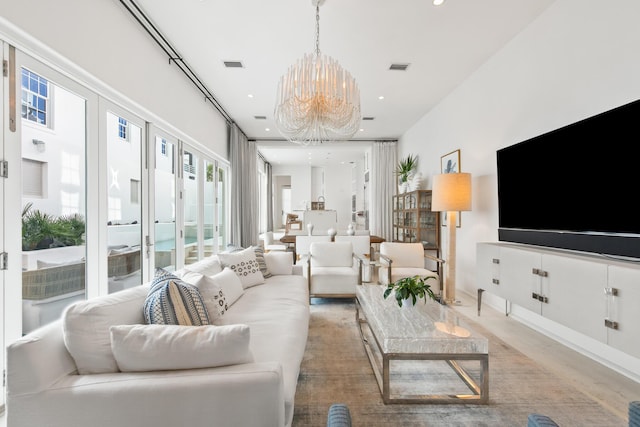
578 59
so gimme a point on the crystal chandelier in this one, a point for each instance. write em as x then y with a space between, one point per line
317 99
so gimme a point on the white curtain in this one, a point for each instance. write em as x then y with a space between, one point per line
383 183
269 172
244 189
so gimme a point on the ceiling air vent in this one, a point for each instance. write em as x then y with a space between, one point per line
260 117
367 118
233 64
399 67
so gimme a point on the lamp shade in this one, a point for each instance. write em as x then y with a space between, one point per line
451 192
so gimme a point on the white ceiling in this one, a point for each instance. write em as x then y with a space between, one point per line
443 45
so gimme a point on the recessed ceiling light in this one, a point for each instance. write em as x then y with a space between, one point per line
381 97
437 2
361 130
267 129
250 96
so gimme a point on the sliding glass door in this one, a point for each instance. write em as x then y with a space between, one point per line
164 182
53 141
204 205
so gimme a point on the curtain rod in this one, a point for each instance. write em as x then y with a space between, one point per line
175 57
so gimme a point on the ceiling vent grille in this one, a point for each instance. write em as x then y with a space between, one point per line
399 67
233 64
260 117
368 118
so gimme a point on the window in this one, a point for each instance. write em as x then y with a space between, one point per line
33 183
122 129
35 98
135 191
163 147
189 167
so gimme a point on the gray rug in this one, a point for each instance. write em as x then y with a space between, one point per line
336 369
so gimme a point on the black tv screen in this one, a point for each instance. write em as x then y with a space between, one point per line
575 187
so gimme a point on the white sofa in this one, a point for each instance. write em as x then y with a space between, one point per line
45 388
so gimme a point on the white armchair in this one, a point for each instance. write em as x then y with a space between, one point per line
398 260
333 270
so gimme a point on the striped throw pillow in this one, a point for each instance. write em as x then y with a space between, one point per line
172 301
261 262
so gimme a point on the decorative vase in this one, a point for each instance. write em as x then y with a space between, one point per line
415 182
309 229
350 230
402 187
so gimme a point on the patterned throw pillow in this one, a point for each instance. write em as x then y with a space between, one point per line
212 294
245 265
261 262
172 301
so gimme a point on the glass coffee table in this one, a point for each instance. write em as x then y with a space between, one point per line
421 354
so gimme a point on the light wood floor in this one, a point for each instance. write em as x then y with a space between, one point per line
603 384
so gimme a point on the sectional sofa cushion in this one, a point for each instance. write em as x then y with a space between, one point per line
85 326
245 265
172 301
207 266
167 347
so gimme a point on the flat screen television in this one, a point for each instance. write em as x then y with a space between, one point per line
576 187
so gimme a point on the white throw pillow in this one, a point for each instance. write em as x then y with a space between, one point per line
86 327
245 265
165 347
279 262
207 266
230 284
211 292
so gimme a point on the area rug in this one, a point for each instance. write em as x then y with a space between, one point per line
336 369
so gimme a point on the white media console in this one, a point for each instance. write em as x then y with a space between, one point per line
588 302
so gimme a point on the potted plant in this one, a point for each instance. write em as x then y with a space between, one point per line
412 288
405 168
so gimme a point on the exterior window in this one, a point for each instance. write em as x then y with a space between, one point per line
122 129
135 191
163 147
35 98
69 203
189 167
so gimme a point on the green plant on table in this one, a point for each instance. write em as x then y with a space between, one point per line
415 287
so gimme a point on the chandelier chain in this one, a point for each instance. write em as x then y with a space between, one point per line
318 29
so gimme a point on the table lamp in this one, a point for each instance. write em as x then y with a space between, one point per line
451 193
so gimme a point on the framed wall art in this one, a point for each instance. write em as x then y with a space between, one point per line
450 163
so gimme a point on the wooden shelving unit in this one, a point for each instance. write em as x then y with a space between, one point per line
414 221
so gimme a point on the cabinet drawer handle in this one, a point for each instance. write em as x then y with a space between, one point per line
610 324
